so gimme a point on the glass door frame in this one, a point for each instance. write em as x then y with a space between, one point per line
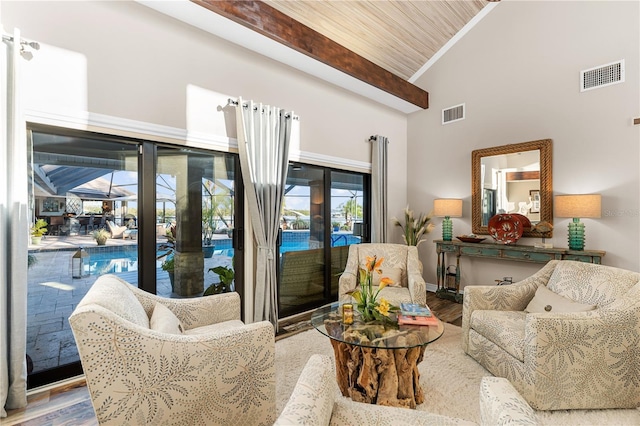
147 152
327 232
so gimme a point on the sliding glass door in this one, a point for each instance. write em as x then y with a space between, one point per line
320 209
168 215
83 187
196 201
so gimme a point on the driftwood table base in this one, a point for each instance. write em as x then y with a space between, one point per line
379 376
377 361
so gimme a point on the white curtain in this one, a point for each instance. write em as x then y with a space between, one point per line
264 135
14 226
379 161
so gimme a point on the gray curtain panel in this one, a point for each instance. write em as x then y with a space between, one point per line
379 160
14 228
264 134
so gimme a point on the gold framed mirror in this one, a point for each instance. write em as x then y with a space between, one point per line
514 178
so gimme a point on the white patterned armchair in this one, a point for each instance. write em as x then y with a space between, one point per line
401 263
152 360
316 401
575 346
502 405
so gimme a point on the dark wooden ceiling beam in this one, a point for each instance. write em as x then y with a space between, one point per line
274 24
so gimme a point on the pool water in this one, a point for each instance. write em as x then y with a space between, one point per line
125 259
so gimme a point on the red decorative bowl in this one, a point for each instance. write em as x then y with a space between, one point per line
506 228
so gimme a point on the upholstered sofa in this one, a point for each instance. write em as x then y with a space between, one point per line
501 404
152 360
401 263
302 276
316 401
566 338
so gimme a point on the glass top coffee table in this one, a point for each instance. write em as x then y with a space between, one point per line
376 362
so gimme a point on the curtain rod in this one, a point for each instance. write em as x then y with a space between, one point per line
32 44
235 103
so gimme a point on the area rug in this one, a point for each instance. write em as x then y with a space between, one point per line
450 380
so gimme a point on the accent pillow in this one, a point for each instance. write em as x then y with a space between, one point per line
165 321
547 301
395 274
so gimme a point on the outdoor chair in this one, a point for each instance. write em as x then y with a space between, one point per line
152 360
565 337
55 223
401 264
301 277
89 224
131 221
118 231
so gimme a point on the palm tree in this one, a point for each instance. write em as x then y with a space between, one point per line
351 209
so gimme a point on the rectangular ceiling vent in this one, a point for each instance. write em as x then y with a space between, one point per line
601 76
454 113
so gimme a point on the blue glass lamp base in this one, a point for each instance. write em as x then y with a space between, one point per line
447 229
576 235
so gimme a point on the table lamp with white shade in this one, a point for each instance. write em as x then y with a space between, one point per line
576 207
447 208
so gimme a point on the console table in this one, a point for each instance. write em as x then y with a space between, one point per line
519 253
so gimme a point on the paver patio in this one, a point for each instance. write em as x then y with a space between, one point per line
53 295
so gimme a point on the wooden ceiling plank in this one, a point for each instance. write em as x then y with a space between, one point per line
274 24
399 36
370 31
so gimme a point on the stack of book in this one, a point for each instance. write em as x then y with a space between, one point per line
416 314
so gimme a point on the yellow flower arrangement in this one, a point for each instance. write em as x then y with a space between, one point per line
366 296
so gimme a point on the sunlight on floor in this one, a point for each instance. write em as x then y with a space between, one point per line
59 286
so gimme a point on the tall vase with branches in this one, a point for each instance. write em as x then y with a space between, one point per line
414 228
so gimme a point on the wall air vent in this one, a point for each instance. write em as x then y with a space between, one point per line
601 76
454 113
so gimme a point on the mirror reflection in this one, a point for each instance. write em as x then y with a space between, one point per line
511 184
514 178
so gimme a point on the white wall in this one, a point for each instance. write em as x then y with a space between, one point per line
121 59
125 60
518 73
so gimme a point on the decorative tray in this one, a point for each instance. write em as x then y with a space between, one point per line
468 239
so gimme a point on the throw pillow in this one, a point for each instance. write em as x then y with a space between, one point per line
165 321
395 274
547 301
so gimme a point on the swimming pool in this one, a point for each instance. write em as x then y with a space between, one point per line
113 260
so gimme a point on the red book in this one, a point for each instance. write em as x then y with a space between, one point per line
417 320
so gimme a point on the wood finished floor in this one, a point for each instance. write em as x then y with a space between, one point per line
68 403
